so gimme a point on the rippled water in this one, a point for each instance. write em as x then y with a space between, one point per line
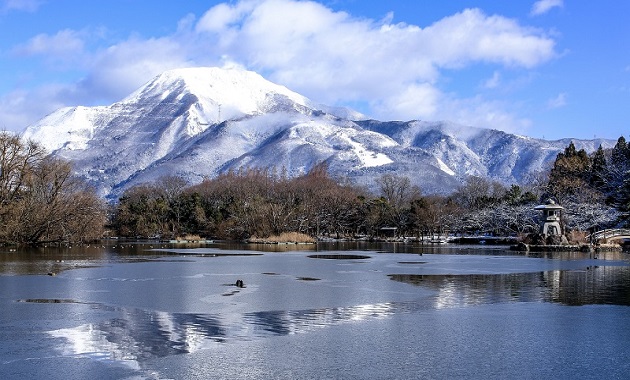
149 311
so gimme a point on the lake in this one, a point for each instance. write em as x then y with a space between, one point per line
122 310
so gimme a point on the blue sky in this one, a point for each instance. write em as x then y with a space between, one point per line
547 69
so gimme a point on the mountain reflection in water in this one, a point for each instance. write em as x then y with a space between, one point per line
140 335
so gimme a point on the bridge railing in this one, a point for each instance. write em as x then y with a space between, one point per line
609 233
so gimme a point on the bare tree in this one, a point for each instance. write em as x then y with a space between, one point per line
17 159
397 190
40 199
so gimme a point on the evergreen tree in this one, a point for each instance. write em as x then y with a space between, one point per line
620 152
618 172
570 173
623 201
599 170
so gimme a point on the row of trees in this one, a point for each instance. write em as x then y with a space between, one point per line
256 203
595 190
40 200
240 205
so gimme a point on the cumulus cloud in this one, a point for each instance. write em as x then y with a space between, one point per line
543 6
395 67
120 69
332 57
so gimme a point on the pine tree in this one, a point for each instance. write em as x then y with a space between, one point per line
599 170
620 152
617 172
570 172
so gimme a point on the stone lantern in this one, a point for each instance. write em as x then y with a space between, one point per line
550 222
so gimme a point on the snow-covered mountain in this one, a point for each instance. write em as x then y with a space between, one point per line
199 122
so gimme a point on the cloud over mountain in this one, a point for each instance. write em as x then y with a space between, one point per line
328 55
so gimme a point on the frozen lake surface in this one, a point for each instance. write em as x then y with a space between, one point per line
146 313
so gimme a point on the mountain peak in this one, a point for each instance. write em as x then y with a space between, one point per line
223 93
195 97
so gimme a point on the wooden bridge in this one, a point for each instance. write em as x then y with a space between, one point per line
610 234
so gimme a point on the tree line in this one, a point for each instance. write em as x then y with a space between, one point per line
255 202
595 190
41 201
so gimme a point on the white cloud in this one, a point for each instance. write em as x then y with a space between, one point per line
120 69
471 36
427 103
63 43
331 57
419 101
19 5
19 107
543 6
493 82
477 111
557 102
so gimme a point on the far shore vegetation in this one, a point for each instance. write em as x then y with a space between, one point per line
41 202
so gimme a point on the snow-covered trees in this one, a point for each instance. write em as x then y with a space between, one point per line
594 189
570 174
489 207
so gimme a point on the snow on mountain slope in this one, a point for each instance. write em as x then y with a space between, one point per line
464 150
70 128
203 95
288 142
110 144
199 122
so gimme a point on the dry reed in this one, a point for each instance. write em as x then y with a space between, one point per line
285 237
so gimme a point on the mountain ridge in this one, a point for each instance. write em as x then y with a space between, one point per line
199 122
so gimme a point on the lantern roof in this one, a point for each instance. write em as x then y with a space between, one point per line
549 205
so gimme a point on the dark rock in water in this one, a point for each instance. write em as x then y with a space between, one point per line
520 247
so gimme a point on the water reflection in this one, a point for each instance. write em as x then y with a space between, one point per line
293 322
140 335
137 335
43 261
593 285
